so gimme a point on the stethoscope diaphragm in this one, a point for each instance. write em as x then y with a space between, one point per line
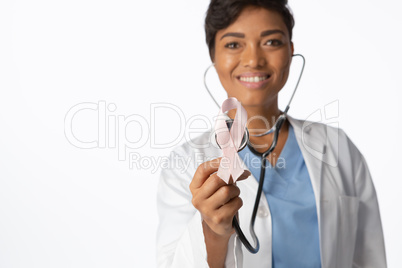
244 141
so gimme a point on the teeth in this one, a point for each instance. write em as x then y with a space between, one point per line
254 79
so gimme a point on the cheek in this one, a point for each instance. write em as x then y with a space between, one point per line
282 64
282 61
224 66
224 63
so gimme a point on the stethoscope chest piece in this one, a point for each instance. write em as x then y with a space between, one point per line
246 136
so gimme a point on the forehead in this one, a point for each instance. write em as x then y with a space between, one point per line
254 20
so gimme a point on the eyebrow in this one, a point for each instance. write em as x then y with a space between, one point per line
240 35
269 32
264 33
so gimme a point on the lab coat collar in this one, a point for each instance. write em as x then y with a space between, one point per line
313 151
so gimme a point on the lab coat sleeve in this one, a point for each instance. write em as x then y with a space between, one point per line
180 237
370 248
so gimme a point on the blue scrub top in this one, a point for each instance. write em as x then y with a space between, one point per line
288 189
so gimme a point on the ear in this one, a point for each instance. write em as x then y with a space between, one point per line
292 47
212 56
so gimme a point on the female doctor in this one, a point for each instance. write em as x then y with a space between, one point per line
319 206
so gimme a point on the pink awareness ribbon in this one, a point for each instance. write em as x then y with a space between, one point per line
230 141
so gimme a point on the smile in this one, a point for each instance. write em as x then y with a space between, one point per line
254 80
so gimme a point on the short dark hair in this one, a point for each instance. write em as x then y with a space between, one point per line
222 13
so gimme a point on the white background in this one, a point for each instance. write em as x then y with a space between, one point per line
65 206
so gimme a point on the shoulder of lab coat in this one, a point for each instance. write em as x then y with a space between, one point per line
180 237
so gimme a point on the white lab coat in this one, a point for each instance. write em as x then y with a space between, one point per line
348 215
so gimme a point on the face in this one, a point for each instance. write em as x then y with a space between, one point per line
253 56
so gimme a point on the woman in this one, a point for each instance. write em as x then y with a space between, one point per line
313 213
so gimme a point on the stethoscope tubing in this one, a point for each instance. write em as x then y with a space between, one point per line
236 225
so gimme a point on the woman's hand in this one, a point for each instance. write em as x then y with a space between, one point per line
218 203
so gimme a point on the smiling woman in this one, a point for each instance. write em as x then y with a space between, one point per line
319 206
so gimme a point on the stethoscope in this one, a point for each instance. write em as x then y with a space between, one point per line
246 141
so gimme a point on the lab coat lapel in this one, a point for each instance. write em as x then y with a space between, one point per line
313 150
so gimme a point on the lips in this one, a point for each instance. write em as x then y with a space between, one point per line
254 80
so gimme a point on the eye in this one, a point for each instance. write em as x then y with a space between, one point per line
274 42
232 45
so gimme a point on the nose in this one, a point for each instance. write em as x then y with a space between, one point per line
253 57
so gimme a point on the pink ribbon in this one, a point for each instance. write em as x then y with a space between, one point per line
230 141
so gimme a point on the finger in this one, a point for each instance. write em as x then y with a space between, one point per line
204 171
231 207
210 186
223 196
213 183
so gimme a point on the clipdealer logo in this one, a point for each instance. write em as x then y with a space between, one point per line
112 133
